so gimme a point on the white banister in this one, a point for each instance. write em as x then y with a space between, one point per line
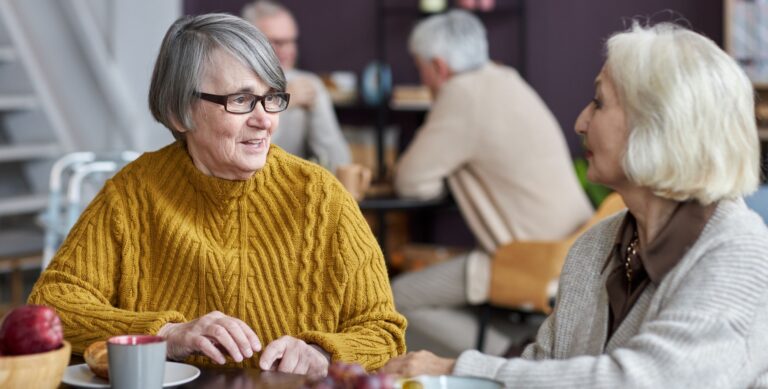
23 47
107 73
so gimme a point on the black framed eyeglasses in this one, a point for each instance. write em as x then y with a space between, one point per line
245 102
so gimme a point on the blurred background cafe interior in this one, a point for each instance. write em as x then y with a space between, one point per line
75 74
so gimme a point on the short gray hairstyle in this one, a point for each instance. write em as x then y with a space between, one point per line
187 50
690 113
259 9
457 36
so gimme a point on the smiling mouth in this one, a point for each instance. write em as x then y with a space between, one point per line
254 142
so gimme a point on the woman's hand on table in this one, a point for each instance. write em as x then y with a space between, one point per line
419 362
212 335
291 355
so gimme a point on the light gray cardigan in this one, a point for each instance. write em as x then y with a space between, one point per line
704 326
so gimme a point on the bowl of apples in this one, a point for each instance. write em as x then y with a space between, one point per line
33 352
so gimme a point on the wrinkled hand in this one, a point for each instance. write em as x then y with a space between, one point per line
211 335
302 92
419 362
291 355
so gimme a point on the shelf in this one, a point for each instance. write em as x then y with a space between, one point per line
401 204
354 106
17 102
420 106
7 54
19 242
409 8
28 152
23 204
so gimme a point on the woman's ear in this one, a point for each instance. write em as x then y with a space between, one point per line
177 126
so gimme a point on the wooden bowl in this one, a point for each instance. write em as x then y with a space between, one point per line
41 370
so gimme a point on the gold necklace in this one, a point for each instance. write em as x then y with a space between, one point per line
631 254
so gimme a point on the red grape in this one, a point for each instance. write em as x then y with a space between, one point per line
351 376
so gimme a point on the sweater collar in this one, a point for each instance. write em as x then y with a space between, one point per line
673 240
219 189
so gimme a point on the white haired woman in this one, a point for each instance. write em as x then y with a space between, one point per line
222 242
670 293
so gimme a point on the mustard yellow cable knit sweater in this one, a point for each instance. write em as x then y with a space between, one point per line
286 251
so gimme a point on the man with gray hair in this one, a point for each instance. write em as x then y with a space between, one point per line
308 128
507 165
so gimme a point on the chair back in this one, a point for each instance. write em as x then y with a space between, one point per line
524 274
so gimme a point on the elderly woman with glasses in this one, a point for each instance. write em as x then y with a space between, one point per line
233 250
672 292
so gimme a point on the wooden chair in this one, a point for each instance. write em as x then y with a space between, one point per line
523 273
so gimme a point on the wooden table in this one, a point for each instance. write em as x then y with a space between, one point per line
215 378
244 378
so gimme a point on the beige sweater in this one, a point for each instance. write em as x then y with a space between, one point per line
504 156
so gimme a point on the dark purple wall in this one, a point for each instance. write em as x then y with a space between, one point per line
563 44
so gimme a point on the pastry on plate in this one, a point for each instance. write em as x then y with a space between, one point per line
96 358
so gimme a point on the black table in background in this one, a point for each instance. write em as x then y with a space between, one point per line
383 205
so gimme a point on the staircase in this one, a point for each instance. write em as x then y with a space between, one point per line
74 76
32 134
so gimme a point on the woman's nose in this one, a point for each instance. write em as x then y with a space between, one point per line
259 117
582 121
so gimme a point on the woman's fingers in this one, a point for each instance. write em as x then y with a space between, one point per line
303 363
215 335
272 353
221 335
206 346
251 335
291 357
238 335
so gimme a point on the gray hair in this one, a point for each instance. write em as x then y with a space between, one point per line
186 51
690 112
260 9
458 37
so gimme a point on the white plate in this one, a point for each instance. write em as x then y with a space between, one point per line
175 374
452 382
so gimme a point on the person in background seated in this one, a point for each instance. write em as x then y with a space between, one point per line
671 293
221 242
308 128
506 162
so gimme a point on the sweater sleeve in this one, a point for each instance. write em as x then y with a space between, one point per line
325 140
441 146
709 333
370 331
86 279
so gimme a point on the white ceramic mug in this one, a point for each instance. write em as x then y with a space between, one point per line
136 361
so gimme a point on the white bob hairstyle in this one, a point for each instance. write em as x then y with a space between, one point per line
690 113
457 37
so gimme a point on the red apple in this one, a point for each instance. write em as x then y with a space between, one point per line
30 329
